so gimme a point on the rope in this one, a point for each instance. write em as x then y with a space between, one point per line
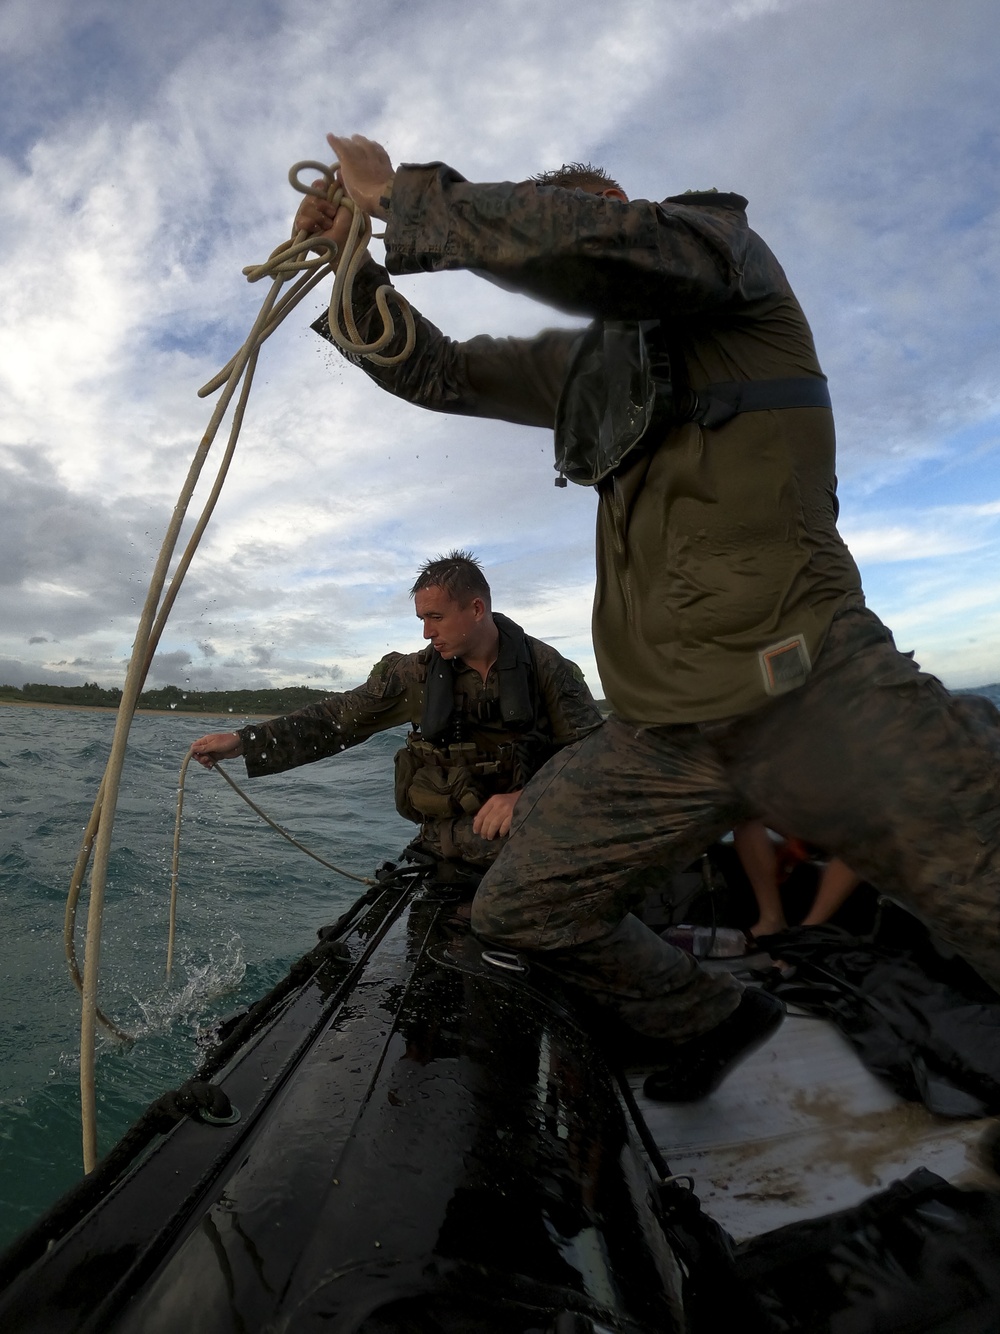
175 861
360 879
287 261
656 1158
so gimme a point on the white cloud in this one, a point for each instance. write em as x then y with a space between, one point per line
938 531
134 191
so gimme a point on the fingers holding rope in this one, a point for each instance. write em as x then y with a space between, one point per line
323 198
329 221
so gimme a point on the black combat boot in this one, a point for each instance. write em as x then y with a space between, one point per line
695 1068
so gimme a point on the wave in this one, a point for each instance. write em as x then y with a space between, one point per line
207 982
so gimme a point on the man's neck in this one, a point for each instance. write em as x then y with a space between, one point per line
483 655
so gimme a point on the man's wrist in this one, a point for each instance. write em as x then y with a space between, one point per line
385 198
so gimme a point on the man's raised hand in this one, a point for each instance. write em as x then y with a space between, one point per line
366 170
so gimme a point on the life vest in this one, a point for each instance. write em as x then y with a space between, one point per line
458 758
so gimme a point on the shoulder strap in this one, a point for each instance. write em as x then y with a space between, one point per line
439 697
516 672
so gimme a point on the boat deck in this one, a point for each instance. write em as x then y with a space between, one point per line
802 1129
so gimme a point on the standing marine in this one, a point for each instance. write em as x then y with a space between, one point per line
747 677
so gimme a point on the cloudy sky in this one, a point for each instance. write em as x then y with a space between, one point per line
143 157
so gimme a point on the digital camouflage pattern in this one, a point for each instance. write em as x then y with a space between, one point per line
871 759
392 696
712 547
455 840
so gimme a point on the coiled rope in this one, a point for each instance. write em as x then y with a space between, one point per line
291 260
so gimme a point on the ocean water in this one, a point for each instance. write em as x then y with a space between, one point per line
249 904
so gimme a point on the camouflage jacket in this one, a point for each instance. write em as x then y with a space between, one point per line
394 695
714 547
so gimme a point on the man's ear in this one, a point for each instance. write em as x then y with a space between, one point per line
614 193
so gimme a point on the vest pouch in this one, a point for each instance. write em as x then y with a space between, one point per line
441 794
607 402
405 766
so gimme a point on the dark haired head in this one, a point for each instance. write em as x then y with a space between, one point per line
578 176
459 574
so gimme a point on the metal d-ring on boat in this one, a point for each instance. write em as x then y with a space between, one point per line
506 960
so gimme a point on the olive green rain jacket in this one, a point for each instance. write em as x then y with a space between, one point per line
714 546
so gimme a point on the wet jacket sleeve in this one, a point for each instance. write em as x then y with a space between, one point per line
571 709
578 251
391 696
509 379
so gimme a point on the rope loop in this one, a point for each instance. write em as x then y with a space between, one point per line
284 260
294 257
330 172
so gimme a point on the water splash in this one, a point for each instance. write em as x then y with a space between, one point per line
206 982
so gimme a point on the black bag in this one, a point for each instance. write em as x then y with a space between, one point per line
922 1257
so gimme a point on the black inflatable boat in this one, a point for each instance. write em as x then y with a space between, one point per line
409 1133
414 1134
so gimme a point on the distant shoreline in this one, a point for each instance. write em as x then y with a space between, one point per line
106 708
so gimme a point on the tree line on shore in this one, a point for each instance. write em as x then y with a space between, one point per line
284 699
267 700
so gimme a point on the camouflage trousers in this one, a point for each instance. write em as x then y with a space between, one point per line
454 840
871 759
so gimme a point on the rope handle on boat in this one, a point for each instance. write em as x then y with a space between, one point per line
288 260
664 1174
175 861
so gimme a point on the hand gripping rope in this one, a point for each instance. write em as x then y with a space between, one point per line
290 261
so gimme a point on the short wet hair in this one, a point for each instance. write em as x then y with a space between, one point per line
577 176
458 573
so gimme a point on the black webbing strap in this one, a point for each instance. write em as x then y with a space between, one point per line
718 403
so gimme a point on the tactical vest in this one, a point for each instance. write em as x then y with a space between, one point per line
454 761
